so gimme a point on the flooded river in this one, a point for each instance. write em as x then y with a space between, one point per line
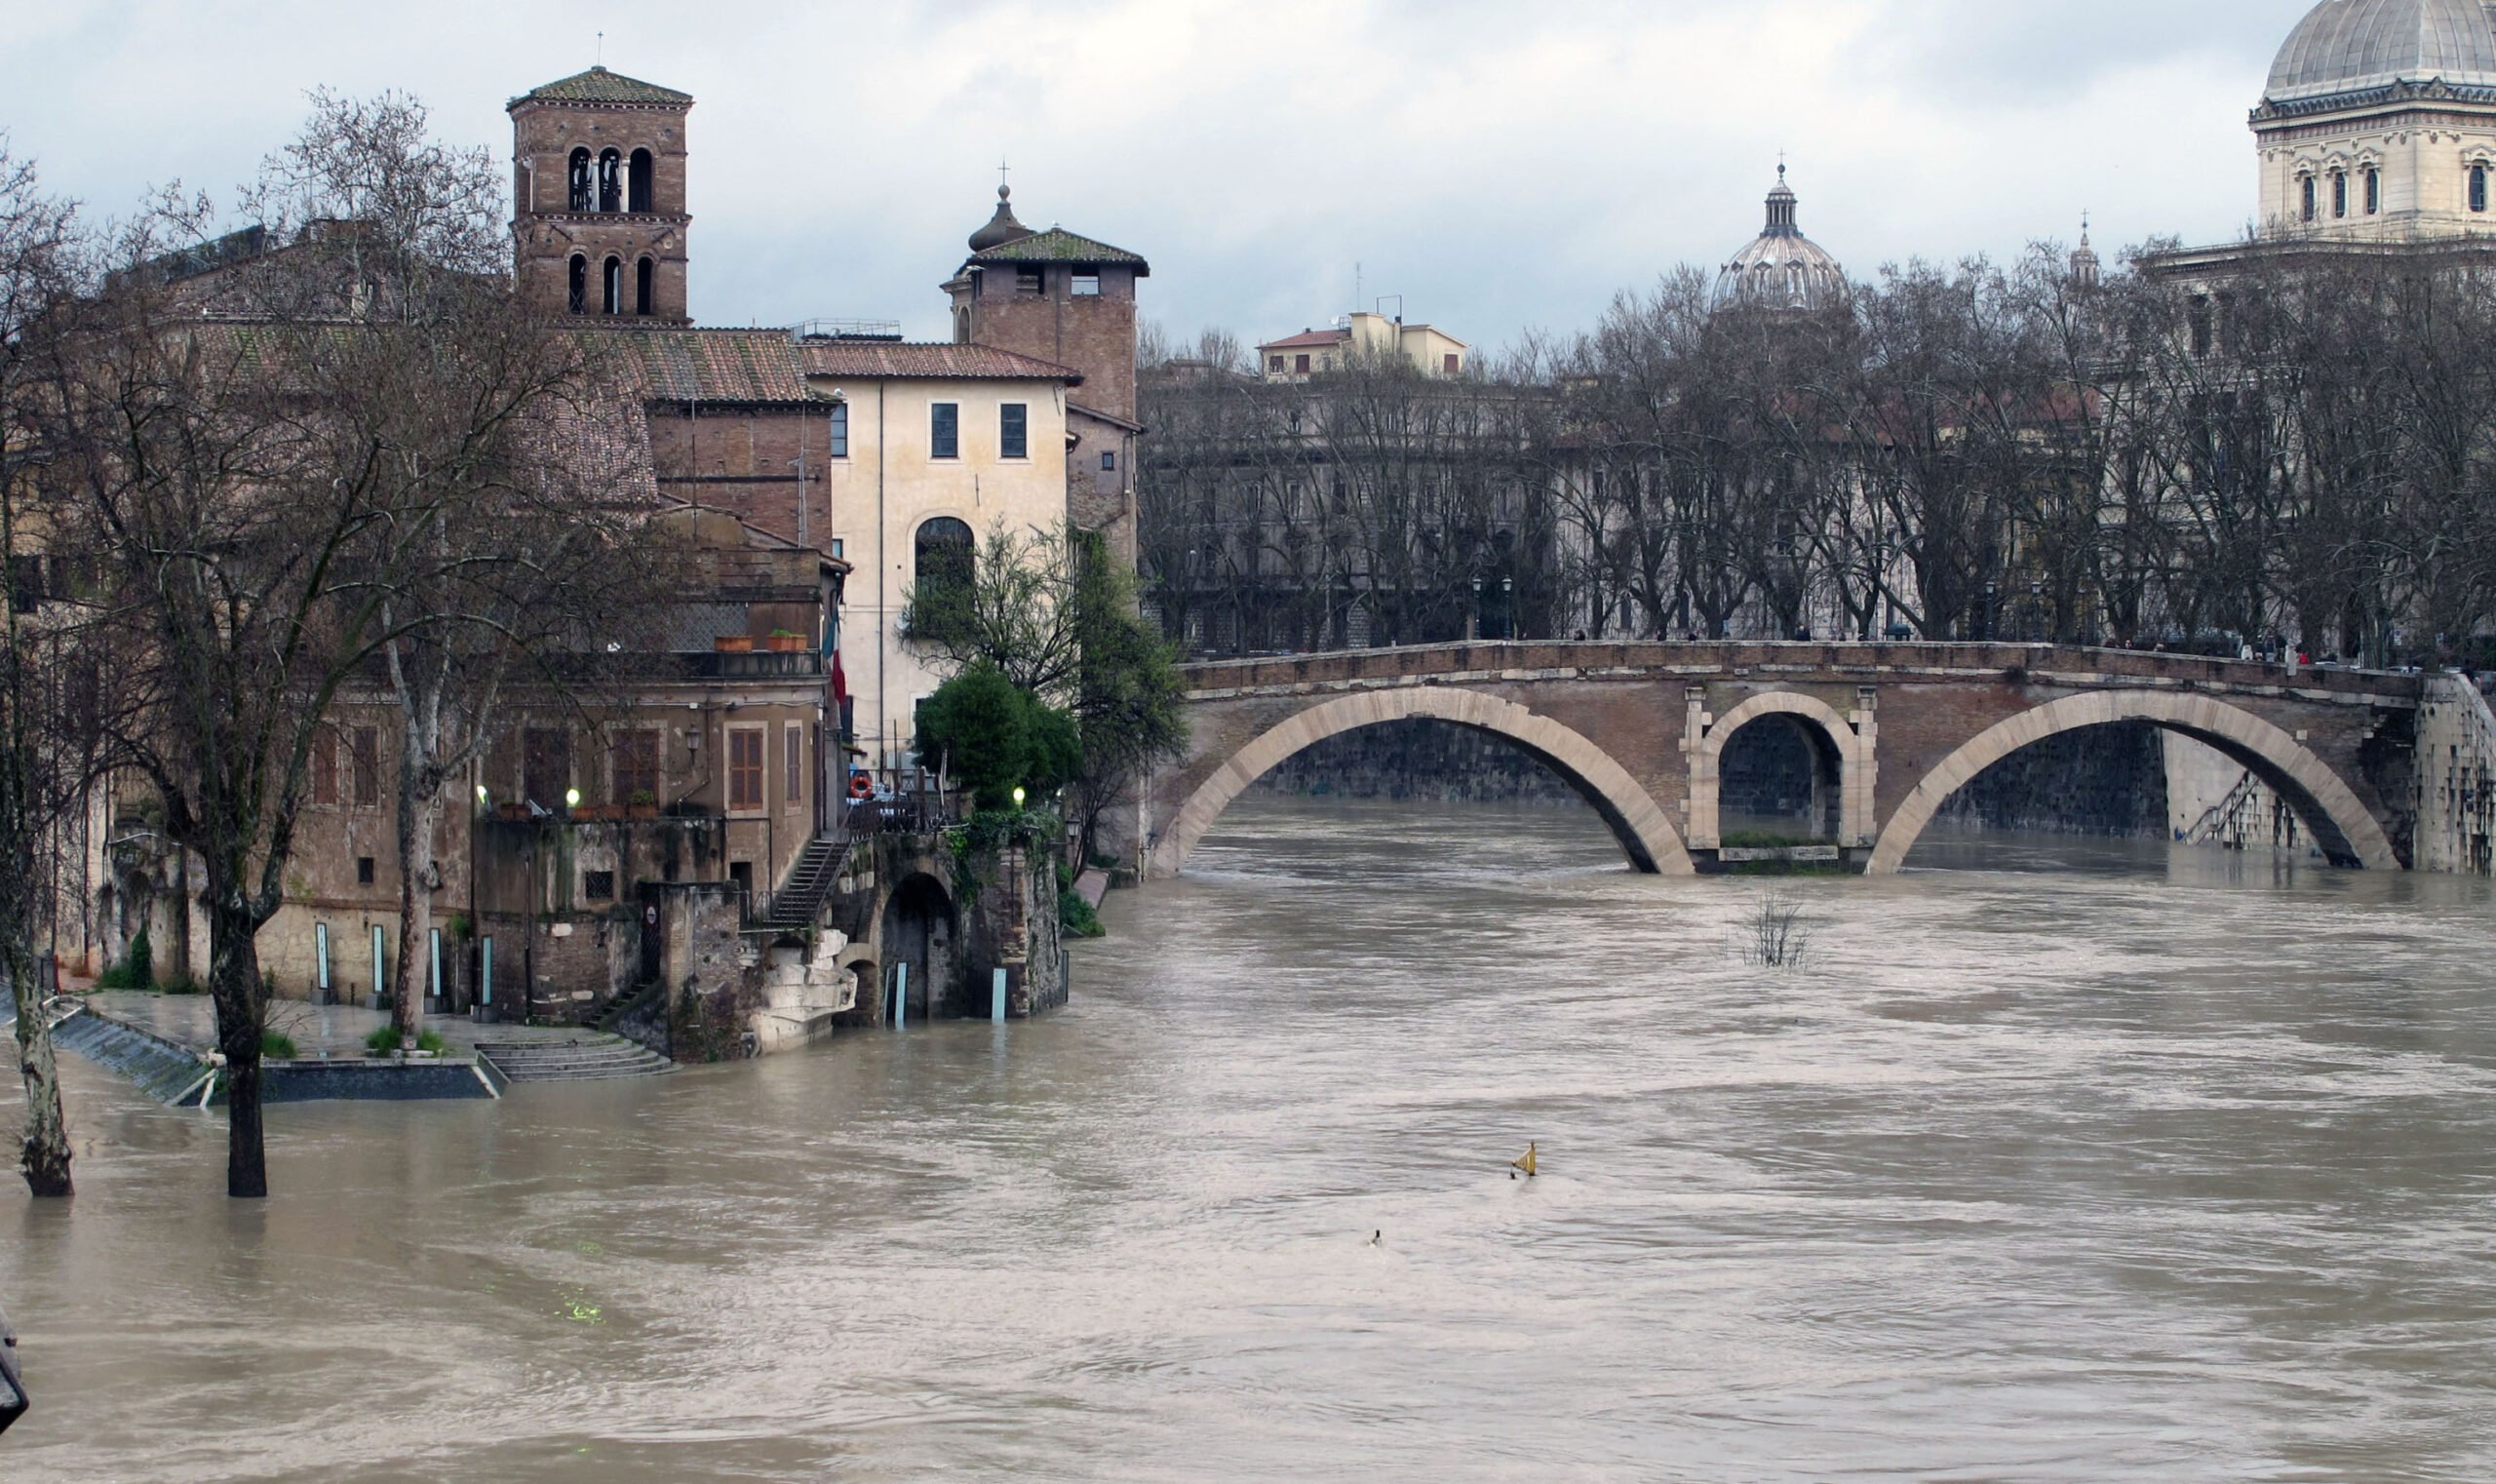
2055 1160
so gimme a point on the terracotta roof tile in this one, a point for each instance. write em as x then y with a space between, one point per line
745 366
599 85
1314 339
1059 246
927 362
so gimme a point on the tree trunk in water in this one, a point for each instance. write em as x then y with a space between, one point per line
419 812
44 1158
234 980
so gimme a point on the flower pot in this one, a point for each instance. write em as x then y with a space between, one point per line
734 644
511 810
786 643
641 811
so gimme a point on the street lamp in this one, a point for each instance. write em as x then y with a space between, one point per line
1018 795
571 798
1989 612
1507 607
2037 608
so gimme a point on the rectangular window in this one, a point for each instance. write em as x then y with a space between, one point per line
1031 283
792 765
1014 431
2375 191
1450 362
1109 462
1087 286
545 766
636 767
840 430
2305 198
363 870
2478 188
2198 319
2339 194
1274 363
364 754
598 885
325 767
745 769
945 430
1299 363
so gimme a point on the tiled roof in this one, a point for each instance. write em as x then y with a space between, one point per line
1313 339
886 360
599 85
1058 245
745 365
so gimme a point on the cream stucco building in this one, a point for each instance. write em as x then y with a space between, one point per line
1372 338
2378 123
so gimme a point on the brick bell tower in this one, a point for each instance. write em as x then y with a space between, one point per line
599 222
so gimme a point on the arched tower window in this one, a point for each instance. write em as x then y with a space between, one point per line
614 285
645 286
582 195
2305 195
2339 193
2478 188
639 198
2374 190
945 561
610 182
580 284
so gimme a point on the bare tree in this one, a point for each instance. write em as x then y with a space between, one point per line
45 754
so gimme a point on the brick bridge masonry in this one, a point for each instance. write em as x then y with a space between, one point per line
1638 729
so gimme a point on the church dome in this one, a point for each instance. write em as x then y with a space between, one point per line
1002 228
1781 269
2344 46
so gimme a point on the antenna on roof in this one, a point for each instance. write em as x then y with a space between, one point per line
601 49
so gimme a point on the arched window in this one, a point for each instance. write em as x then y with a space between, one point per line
610 182
582 192
640 195
644 276
580 284
945 556
2305 189
2374 190
614 285
2339 193
2478 188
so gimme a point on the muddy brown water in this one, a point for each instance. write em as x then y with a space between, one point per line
2055 1160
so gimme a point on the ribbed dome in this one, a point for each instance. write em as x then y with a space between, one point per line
1781 269
2345 45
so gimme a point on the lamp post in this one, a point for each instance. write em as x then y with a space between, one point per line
1507 607
1988 614
1473 614
2037 609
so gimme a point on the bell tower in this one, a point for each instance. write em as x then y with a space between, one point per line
599 222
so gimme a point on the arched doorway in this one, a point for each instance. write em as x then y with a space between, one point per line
1779 781
919 934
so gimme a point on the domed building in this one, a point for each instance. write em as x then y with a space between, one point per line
1781 271
2378 122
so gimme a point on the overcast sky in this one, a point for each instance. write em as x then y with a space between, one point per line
1500 164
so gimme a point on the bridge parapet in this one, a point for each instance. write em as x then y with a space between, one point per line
2065 666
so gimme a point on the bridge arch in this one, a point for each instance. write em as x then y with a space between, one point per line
1645 836
1856 758
2346 829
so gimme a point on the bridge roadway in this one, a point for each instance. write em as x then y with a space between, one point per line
1640 730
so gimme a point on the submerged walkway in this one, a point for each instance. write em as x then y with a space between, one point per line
319 1031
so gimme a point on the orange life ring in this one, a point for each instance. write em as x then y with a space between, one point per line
860 787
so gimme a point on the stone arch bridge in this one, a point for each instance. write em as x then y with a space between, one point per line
1640 730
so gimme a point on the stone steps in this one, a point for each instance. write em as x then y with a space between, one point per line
165 1072
581 1059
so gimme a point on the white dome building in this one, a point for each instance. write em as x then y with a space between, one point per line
1781 271
2379 122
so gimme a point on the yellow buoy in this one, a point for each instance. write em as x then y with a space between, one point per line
1526 1165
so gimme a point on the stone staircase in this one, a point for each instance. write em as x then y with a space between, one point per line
579 1059
167 1072
799 899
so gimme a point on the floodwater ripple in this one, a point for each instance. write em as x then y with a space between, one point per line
2056 1160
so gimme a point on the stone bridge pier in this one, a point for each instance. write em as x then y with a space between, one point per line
1645 732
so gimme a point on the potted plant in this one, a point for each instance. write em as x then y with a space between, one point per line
644 804
513 810
734 644
785 641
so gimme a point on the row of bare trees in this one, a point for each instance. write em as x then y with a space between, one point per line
328 460
2288 449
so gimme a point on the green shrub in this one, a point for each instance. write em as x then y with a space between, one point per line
384 1040
1764 839
137 969
1075 918
277 1045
